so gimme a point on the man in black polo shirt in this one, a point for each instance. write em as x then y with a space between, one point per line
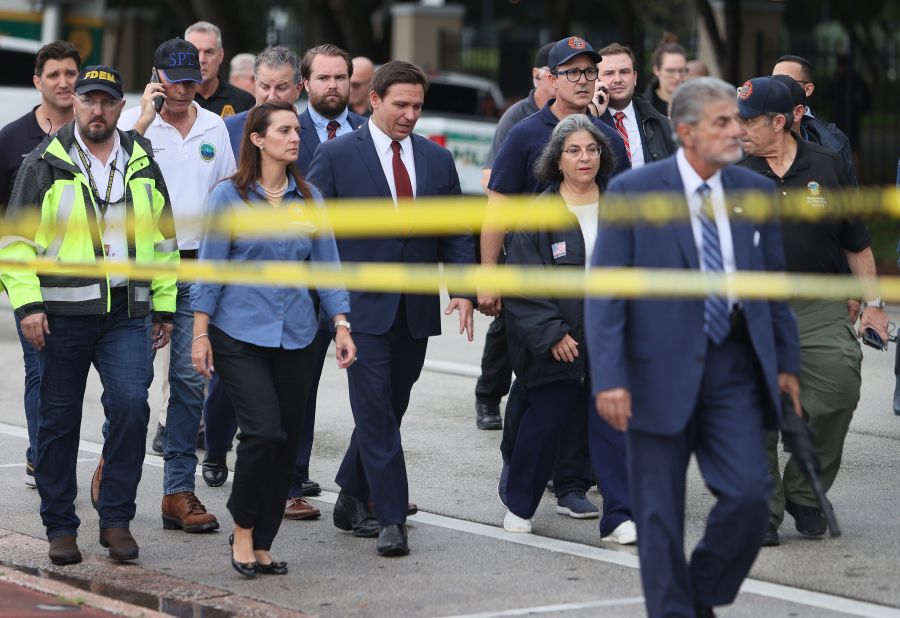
55 70
830 355
215 94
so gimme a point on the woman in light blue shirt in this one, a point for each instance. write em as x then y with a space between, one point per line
260 337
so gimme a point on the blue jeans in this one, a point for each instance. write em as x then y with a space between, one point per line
185 401
118 346
32 392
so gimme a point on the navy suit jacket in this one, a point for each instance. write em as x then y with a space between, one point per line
309 137
348 167
656 348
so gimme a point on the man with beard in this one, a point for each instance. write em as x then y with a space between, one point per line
192 149
694 376
84 185
55 69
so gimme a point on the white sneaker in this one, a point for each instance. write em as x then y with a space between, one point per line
514 523
624 534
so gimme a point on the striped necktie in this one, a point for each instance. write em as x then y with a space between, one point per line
331 129
716 318
620 127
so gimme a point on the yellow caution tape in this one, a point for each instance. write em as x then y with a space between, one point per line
462 215
505 280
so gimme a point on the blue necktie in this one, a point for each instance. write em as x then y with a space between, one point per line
716 318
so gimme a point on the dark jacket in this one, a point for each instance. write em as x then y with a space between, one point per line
828 135
535 324
655 128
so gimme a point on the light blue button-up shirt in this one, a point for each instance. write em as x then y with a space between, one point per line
267 316
321 123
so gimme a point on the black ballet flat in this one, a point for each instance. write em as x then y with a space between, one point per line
247 569
273 568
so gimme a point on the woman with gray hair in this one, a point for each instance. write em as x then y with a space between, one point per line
547 342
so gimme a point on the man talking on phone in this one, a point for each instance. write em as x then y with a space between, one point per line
192 148
830 357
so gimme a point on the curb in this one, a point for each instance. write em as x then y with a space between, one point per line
122 589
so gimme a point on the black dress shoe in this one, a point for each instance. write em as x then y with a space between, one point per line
247 569
157 444
215 471
311 488
771 538
273 568
808 520
351 514
487 415
392 541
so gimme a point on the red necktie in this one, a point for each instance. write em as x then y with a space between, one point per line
331 129
401 175
620 127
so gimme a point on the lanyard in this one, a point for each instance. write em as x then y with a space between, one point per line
104 204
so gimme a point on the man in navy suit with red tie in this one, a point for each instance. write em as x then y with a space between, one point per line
695 376
383 158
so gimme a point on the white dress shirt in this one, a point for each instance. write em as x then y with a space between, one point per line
115 242
634 134
386 155
692 181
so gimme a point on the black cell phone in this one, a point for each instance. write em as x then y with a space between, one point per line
873 340
154 79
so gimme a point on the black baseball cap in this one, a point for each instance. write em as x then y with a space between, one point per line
798 94
542 57
100 77
762 95
179 61
566 49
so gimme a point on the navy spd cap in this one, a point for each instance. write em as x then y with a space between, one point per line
798 94
179 61
762 95
566 49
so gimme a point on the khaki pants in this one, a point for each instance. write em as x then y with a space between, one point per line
830 360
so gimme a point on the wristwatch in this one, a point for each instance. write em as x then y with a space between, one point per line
875 304
343 323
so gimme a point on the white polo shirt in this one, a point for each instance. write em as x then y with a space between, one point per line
191 166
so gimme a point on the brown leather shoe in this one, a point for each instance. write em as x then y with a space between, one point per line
184 511
411 508
121 544
64 550
298 508
95 485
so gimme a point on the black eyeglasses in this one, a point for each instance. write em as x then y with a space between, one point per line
573 75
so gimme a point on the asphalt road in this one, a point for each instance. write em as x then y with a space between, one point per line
462 563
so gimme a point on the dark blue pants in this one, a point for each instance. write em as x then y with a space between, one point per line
572 468
610 463
32 391
552 407
496 371
221 423
727 436
118 346
380 382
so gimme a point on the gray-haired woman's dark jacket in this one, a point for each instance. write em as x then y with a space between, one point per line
535 324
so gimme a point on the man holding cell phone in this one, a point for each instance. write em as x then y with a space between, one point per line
830 354
192 148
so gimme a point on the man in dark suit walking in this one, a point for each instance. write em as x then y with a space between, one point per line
701 376
385 159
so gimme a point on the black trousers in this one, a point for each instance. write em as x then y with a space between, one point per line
496 371
268 388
